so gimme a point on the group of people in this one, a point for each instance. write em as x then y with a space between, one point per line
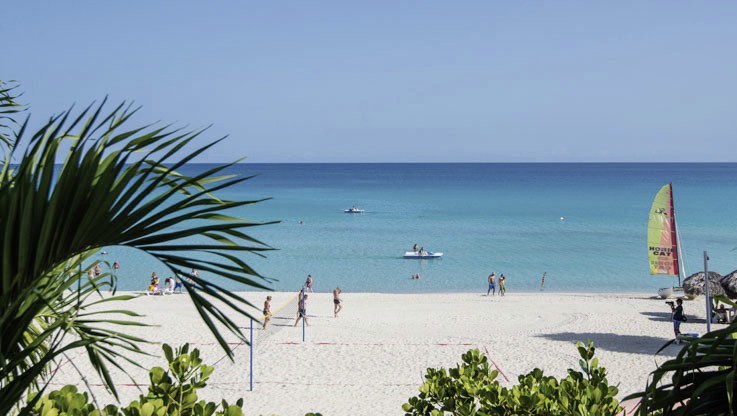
492 285
420 251
97 270
171 284
302 304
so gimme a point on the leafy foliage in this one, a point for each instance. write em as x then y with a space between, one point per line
171 392
9 107
115 187
700 380
472 389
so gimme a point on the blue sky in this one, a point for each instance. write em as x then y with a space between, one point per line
382 81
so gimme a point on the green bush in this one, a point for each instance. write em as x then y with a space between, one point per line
171 392
472 389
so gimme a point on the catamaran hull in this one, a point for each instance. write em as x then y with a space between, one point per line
668 292
416 255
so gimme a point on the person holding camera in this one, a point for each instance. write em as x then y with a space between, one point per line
678 317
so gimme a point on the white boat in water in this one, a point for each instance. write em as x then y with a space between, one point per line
422 255
354 210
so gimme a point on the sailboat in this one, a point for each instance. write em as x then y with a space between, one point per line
663 243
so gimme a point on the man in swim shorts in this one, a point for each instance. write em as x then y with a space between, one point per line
336 301
492 286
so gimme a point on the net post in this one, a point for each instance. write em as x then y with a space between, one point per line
250 372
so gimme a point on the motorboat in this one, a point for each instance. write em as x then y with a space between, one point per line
354 210
422 255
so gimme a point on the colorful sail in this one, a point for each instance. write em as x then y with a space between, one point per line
662 240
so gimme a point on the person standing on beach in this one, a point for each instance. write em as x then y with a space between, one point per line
677 312
267 311
302 310
178 284
337 301
492 286
502 285
308 282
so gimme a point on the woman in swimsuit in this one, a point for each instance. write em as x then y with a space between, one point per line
267 311
302 310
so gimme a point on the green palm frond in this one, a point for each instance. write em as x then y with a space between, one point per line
698 381
115 187
9 108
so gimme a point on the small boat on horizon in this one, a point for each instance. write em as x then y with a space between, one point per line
354 210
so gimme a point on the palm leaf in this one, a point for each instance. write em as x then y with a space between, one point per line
698 381
116 187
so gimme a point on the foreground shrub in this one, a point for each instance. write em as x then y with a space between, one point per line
472 389
171 392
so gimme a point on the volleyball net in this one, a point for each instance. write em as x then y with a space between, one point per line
284 307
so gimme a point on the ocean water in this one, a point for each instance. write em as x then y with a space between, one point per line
583 225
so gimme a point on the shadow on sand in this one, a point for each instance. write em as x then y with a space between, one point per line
633 344
658 316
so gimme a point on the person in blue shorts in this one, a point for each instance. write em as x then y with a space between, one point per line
677 316
492 286
178 285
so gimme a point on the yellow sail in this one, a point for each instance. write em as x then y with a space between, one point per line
662 240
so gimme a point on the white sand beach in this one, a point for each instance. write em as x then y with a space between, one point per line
373 356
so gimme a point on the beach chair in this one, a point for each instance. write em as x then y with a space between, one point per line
724 315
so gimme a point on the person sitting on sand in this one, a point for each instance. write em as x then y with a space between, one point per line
153 287
267 311
337 301
302 310
168 285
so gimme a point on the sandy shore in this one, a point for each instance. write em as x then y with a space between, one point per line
372 357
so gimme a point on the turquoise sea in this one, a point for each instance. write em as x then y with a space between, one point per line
584 225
